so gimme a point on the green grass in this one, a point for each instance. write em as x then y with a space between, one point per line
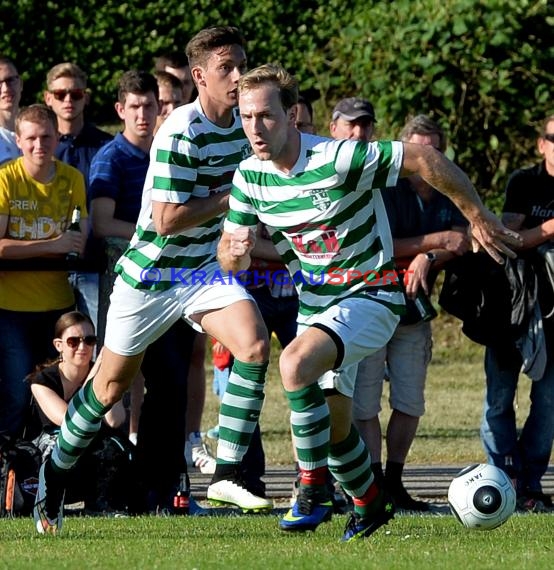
254 542
448 432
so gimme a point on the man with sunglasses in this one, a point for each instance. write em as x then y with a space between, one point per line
79 141
524 454
37 197
427 230
10 94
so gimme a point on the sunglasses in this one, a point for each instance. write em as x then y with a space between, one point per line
75 341
549 137
75 94
10 81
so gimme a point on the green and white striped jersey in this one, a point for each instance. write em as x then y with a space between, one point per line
190 157
326 218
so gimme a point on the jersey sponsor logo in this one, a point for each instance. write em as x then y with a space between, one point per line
213 160
326 244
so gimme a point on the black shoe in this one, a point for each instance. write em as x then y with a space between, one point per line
402 500
359 526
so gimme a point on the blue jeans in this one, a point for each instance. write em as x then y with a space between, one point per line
525 455
25 342
86 288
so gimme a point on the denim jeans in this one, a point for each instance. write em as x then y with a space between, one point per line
524 454
25 342
86 290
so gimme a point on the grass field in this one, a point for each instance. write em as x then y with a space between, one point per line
448 434
253 542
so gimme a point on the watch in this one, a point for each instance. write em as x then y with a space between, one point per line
431 257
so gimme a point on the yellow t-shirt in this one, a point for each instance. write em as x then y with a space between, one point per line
38 211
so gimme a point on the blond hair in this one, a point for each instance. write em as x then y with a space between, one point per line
271 73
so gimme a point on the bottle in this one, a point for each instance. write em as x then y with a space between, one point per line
424 306
74 226
181 498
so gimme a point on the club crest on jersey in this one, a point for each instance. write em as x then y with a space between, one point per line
320 199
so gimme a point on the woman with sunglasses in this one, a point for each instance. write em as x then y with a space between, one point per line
52 386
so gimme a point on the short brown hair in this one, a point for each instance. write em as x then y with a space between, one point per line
175 60
545 124
66 69
270 73
201 46
166 78
425 126
138 82
37 113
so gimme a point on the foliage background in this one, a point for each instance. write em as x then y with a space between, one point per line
481 67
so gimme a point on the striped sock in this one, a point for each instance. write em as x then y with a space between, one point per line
309 418
350 465
81 423
240 410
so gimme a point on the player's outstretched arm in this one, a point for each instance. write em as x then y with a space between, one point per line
441 173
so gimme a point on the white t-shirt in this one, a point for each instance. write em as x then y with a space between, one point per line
8 148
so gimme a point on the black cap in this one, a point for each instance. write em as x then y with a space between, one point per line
353 108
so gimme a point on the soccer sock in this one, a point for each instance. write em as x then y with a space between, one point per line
309 418
350 465
377 469
240 410
80 424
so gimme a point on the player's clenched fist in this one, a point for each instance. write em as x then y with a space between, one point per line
242 241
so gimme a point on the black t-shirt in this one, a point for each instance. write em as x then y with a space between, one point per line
530 191
49 377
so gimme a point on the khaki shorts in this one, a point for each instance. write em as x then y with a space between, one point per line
363 327
404 360
136 317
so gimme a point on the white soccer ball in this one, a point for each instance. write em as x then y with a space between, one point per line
482 497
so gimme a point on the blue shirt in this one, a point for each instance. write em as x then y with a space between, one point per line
118 172
80 150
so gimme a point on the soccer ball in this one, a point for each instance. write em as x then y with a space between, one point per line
482 497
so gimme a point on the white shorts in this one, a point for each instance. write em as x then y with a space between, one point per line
360 326
404 360
136 317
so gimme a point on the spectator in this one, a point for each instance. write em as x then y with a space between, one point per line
11 86
103 475
427 230
79 140
305 116
37 197
178 65
525 454
170 95
353 118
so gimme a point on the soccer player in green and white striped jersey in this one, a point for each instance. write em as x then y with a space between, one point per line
320 200
170 272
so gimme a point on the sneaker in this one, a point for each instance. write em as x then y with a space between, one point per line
312 507
362 527
534 502
232 491
213 432
202 459
403 500
48 509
